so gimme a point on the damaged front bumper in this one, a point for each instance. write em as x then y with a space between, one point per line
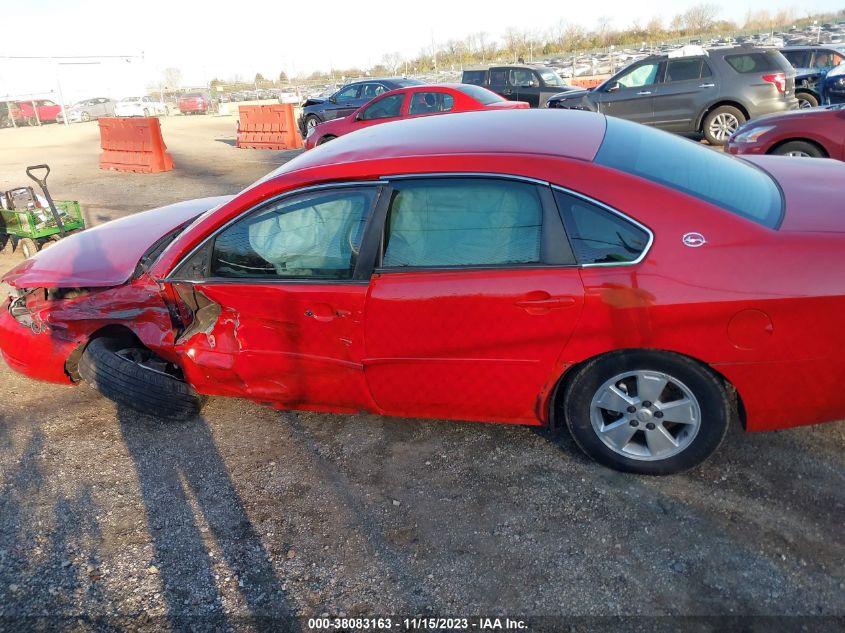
32 350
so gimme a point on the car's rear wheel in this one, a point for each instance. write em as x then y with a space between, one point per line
133 376
720 124
806 100
28 247
799 148
326 139
85 117
311 121
646 412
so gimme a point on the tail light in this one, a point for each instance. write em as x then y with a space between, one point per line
778 80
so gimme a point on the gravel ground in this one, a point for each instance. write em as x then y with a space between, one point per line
246 517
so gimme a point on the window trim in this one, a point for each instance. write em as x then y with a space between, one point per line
619 214
208 241
548 208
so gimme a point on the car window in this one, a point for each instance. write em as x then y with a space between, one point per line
499 77
385 108
798 59
482 95
643 75
474 77
684 69
551 78
348 94
597 235
463 222
523 78
315 235
691 168
368 91
826 59
431 102
752 63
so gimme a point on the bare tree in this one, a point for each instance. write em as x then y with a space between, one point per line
701 17
393 61
603 28
172 78
654 27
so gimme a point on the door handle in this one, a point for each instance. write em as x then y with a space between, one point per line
323 312
644 92
707 86
542 305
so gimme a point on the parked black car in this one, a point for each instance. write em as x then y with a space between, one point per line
518 82
810 62
346 100
712 92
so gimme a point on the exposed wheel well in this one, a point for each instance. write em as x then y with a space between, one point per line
120 332
700 125
806 90
568 375
798 140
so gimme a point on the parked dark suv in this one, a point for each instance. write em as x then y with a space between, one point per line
810 62
712 92
346 100
519 82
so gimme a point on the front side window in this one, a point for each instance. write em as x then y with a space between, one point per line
597 235
462 222
523 78
689 167
431 102
315 235
347 94
643 75
383 108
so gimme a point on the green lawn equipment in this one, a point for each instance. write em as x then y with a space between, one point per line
28 225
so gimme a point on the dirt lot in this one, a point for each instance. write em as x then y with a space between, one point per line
245 517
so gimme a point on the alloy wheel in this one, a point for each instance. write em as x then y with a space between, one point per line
723 126
645 415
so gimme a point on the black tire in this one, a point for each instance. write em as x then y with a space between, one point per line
326 139
135 386
715 133
4 241
806 100
85 116
312 120
716 405
799 148
27 247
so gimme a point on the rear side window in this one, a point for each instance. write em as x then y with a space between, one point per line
475 77
752 63
463 222
798 59
431 102
499 77
686 166
599 236
686 69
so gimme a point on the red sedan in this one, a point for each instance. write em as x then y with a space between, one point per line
415 101
814 132
531 267
44 110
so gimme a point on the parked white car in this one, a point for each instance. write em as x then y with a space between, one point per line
139 106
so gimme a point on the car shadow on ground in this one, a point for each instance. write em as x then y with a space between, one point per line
192 510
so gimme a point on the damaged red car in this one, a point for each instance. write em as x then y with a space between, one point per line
528 267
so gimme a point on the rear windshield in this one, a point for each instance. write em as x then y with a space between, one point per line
691 168
752 62
474 77
482 95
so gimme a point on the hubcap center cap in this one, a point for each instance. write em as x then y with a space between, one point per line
644 415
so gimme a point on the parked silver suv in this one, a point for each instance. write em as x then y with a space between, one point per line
694 90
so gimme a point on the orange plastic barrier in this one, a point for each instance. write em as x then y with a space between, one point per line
268 127
133 145
585 83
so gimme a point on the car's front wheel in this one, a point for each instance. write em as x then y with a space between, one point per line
85 117
311 121
646 412
720 124
806 100
131 375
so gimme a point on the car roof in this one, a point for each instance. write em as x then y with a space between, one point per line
562 133
807 47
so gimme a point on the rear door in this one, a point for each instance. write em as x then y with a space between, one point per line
687 88
277 299
500 83
631 94
474 297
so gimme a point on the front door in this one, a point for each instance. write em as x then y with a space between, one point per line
526 83
277 310
631 95
475 296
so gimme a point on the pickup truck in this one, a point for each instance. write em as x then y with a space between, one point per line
518 82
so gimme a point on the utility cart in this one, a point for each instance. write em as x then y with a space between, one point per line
29 223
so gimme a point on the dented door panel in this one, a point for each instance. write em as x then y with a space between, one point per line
290 345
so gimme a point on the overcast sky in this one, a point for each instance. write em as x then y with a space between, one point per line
207 39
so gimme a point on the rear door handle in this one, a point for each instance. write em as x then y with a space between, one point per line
707 86
542 305
644 92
